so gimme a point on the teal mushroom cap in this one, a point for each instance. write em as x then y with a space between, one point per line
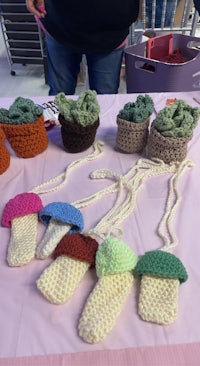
161 264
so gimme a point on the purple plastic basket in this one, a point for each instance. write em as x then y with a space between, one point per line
158 76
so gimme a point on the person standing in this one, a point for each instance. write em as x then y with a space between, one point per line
75 28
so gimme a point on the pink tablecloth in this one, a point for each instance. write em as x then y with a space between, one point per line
35 332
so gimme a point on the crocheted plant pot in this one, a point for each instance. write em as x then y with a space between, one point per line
27 140
168 149
4 154
132 136
77 138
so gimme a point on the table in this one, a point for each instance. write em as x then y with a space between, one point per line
36 332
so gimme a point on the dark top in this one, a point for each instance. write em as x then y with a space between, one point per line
197 5
90 26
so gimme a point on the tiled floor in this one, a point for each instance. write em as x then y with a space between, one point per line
29 80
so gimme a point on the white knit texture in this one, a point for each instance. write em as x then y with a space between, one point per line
54 233
158 299
104 305
22 245
59 281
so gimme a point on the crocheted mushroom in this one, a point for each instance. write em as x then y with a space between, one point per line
73 256
115 262
60 218
161 273
21 214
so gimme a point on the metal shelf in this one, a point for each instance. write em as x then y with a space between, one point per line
24 40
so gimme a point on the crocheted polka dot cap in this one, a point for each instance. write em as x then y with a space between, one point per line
77 246
60 218
73 257
21 214
161 274
114 264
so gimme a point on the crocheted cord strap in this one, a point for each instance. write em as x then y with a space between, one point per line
161 264
20 205
77 246
63 212
114 256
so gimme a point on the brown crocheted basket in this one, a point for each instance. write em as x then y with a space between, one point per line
131 136
168 149
77 138
28 139
4 154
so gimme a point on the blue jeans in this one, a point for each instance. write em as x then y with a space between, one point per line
64 67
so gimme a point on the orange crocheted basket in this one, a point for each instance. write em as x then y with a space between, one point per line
28 139
4 154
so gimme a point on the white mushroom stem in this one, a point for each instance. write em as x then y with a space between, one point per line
22 245
54 233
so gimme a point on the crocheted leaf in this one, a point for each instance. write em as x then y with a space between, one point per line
178 120
22 111
161 264
139 111
114 256
65 106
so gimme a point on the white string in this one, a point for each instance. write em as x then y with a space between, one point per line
41 188
166 224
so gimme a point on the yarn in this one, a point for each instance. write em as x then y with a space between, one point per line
178 120
72 258
22 111
139 111
131 137
75 137
21 214
84 111
60 218
77 246
27 139
168 149
161 274
4 154
114 264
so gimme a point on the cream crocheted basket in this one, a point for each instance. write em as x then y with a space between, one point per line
168 149
132 136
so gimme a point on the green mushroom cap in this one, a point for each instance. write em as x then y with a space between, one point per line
161 264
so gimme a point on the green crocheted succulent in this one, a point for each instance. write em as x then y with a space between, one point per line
139 111
84 111
22 111
176 121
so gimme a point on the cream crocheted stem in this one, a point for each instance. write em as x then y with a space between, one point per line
158 300
104 305
59 281
54 233
22 245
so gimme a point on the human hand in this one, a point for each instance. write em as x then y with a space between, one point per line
36 7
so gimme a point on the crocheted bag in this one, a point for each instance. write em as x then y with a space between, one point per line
161 274
131 136
21 214
114 264
28 139
73 256
168 149
77 138
4 154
